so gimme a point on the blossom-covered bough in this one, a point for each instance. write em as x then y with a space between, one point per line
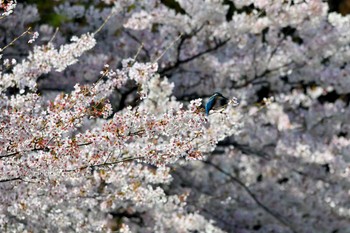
128 147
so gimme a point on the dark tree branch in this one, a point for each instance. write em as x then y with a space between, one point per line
11 179
129 159
12 154
252 195
260 153
180 62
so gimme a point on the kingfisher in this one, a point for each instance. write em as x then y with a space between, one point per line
213 100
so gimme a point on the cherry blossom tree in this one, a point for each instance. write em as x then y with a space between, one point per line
102 126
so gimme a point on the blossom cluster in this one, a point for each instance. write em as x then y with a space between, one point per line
7 7
127 145
65 149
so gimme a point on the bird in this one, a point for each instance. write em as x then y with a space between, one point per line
213 100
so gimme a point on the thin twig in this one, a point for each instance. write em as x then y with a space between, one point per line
11 179
104 23
54 35
14 40
109 155
138 51
104 74
36 149
9 154
139 42
170 45
128 159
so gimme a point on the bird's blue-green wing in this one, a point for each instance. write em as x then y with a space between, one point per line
209 105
